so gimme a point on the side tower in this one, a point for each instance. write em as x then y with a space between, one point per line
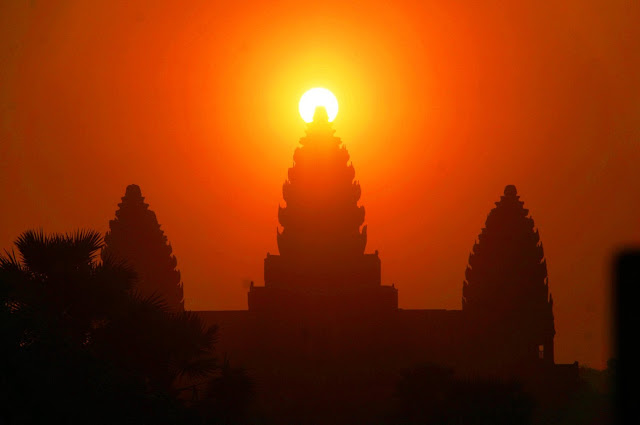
505 297
135 237
322 263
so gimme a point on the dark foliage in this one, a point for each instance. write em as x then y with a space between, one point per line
431 394
79 347
227 397
589 401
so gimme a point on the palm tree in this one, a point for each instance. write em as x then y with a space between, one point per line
81 345
58 289
161 347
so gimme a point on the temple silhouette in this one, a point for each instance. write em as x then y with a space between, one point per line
322 263
135 237
323 323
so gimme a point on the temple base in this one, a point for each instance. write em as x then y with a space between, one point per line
298 286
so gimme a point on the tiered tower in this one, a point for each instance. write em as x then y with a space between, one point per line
322 263
136 238
506 294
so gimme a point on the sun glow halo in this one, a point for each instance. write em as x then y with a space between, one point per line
317 97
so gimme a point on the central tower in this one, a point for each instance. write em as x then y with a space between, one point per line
322 262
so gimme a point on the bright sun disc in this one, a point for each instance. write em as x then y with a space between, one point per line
314 98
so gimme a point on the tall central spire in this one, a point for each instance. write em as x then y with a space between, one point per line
321 216
322 263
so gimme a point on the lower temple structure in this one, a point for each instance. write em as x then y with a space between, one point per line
323 321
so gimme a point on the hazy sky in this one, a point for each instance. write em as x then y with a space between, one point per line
442 104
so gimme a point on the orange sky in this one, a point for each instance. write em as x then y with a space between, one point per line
441 105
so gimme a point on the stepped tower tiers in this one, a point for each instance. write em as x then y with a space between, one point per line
322 260
506 292
136 238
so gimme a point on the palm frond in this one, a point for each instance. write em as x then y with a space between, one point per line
196 368
154 301
12 275
194 332
87 241
47 253
113 271
9 262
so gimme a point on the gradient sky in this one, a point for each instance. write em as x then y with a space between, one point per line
442 104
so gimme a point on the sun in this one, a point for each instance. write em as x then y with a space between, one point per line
317 97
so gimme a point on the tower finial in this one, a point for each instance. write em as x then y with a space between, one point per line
320 127
320 115
133 194
133 191
510 190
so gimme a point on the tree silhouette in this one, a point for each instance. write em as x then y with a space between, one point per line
227 396
135 237
432 394
57 288
78 346
506 291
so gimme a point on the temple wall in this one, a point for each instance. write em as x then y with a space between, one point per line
393 340
353 360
